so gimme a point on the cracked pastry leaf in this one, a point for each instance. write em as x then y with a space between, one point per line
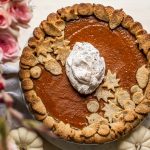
62 53
53 66
93 106
115 19
142 76
110 81
103 94
111 110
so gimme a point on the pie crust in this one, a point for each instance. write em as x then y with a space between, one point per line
123 113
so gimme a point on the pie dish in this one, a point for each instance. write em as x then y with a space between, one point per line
120 102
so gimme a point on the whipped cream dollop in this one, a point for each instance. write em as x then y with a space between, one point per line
85 67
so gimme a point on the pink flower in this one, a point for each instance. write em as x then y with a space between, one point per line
5 19
8 46
4 1
21 12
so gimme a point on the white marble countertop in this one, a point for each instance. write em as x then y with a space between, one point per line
138 9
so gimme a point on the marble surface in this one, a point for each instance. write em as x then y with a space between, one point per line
138 9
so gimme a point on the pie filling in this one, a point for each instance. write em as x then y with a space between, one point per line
121 55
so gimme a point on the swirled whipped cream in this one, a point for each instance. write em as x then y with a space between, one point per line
85 67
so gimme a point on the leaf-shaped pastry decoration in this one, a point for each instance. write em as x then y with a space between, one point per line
135 27
53 66
90 129
121 96
55 19
115 19
127 21
109 10
50 29
62 53
94 118
135 88
110 81
39 33
85 9
143 107
69 13
43 59
100 12
111 110
137 97
142 76
103 94
44 47
144 43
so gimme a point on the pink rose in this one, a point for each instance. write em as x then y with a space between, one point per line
8 46
21 12
5 19
4 1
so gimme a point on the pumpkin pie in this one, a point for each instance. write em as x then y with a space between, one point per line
85 73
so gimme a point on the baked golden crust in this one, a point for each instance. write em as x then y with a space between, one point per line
50 29
68 13
56 20
24 73
27 84
123 113
116 18
85 9
39 33
100 12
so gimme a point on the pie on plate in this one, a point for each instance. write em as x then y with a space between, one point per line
85 73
